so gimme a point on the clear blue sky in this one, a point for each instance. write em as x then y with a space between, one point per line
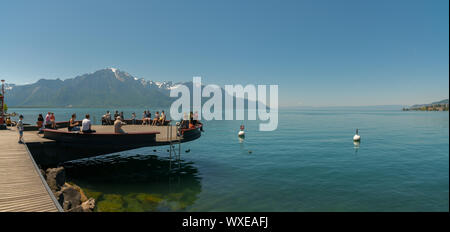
320 53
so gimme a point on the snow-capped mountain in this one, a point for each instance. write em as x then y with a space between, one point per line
109 86
122 76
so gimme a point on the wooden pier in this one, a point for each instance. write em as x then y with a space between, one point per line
164 136
22 187
48 152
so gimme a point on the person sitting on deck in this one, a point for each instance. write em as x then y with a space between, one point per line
52 119
196 121
185 121
8 121
106 119
48 122
162 118
86 125
149 117
156 119
133 118
191 120
195 118
118 126
116 114
73 124
144 117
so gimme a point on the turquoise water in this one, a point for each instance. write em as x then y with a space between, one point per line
309 163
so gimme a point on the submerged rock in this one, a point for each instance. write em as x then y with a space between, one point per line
149 202
111 203
149 198
92 194
132 204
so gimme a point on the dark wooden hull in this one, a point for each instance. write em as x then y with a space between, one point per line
102 139
191 134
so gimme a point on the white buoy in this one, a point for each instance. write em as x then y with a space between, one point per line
357 137
241 133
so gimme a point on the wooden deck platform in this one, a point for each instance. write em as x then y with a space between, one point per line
22 187
163 136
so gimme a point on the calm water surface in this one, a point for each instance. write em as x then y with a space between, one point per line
309 163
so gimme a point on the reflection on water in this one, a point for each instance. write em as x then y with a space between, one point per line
243 147
136 183
356 146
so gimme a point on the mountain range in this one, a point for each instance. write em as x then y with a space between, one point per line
106 87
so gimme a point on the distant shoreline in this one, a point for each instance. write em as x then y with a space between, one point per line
428 108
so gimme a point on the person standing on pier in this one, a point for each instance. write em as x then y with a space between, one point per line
156 119
40 123
48 122
107 118
20 128
53 121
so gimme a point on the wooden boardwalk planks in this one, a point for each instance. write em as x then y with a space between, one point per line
21 186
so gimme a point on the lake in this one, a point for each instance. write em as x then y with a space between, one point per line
309 163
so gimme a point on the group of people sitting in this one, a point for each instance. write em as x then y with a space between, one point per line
190 121
86 125
158 120
107 119
48 123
